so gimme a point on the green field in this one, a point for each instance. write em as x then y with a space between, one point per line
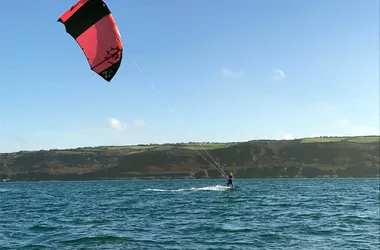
207 145
357 139
70 152
137 147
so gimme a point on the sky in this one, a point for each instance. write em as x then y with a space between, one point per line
215 70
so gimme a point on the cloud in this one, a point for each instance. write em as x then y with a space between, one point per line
231 73
278 74
332 120
312 136
139 122
226 72
351 128
364 130
288 137
116 124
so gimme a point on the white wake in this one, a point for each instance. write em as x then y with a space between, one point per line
209 188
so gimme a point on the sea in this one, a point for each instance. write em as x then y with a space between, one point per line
191 214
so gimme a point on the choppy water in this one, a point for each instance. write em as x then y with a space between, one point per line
191 214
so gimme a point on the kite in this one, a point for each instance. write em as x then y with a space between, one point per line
92 25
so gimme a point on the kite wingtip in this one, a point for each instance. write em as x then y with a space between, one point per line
59 20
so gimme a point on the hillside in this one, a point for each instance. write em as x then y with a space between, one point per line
310 157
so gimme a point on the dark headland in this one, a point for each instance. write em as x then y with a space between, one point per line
322 157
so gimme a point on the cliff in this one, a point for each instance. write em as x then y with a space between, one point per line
310 157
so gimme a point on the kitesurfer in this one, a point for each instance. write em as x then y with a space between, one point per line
229 178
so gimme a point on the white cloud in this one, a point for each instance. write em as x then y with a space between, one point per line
333 121
231 73
288 137
139 122
364 130
352 128
115 124
341 125
226 72
327 120
313 136
278 74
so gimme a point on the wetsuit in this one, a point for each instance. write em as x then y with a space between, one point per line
230 181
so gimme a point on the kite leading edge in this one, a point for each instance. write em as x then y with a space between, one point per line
91 24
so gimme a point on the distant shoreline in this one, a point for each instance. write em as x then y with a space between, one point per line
168 179
322 157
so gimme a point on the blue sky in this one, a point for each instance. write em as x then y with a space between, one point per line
226 71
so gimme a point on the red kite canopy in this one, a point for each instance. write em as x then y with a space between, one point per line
91 24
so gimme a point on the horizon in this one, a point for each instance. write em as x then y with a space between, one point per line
192 71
